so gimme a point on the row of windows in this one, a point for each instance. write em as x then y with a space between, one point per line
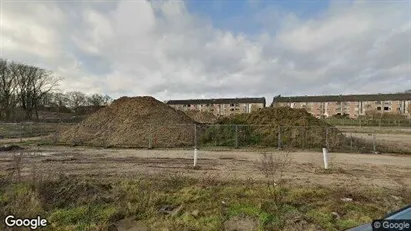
207 105
343 103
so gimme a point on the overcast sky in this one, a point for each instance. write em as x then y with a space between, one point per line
214 48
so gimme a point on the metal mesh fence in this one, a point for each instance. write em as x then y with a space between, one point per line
370 122
215 136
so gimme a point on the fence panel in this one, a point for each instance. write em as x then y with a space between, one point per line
366 139
370 122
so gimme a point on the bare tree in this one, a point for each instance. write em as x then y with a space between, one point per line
76 99
33 83
107 100
61 100
99 100
96 100
47 100
8 88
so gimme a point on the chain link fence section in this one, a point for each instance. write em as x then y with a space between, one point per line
370 122
31 131
215 137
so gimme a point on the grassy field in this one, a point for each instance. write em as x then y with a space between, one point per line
174 202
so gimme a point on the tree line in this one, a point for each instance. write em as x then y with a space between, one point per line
25 90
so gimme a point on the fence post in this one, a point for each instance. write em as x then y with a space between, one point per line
21 132
236 136
195 136
360 122
326 137
351 141
56 133
279 137
325 157
302 137
195 157
150 137
215 134
374 144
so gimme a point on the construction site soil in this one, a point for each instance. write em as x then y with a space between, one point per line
202 116
266 126
346 170
133 122
144 122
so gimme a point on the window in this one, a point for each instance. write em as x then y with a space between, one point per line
232 109
378 108
377 102
232 105
386 108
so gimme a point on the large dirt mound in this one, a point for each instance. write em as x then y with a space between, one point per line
283 116
202 116
133 122
282 126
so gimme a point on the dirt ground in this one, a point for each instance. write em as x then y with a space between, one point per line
397 141
346 170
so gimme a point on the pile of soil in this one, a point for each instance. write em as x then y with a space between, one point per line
202 116
265 127
133 122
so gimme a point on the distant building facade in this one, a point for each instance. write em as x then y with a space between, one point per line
353 105
220 107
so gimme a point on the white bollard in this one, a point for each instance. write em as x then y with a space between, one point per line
195 157
325 155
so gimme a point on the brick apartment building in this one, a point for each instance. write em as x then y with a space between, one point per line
222 106
353 105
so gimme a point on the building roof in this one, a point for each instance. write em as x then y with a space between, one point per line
343 98
217 101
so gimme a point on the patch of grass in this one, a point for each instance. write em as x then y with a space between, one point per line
77 204
83 216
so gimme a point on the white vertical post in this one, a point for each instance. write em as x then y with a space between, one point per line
195 157
325 157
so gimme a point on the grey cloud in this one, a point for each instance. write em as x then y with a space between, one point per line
161 49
